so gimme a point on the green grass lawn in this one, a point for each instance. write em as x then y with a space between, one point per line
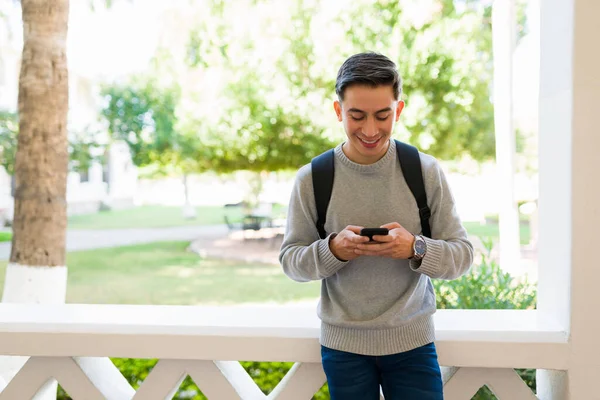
156 217
5 237
491 230
165 273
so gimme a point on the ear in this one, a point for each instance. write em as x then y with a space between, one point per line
399 108
337 106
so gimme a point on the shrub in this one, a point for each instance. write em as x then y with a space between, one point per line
486 286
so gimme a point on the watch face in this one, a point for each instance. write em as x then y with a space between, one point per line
420 247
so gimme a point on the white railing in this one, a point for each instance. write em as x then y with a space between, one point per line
71 342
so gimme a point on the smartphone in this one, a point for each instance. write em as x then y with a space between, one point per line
373 231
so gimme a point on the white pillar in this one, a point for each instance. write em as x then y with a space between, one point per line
570 190
95 173
504 29
585 269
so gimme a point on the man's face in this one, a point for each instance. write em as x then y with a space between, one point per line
368 115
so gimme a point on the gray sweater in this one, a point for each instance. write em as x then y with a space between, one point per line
374 305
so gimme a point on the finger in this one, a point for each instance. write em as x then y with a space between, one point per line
368 252
380 253
358 239
369 246
391 225
383 238
378 247
354 228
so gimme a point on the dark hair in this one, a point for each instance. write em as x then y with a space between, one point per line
371 69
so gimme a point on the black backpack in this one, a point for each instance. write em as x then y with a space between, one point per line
410 162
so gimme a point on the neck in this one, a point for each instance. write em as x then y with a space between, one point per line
358 158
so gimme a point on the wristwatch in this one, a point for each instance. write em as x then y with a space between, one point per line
419 248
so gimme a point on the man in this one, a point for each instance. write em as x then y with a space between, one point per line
377 299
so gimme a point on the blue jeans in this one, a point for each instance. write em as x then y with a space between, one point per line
412 375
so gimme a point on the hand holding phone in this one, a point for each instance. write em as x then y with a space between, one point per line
344 245
398 243
370 232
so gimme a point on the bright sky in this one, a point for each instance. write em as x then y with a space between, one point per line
113 42
106 42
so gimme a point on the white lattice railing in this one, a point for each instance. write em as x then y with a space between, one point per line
71 342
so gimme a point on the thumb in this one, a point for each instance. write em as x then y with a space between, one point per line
392 225
355 229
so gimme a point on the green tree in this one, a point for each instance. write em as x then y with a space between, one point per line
298 63
84 146
9 126
209 39
268 134
445 60
263 125
143 115
261 133
443 54
444 57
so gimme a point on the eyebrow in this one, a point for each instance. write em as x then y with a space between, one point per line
356 110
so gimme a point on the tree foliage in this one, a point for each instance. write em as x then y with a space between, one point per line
142 115
272 107
84 145
444 58
9 126
267 135
85 148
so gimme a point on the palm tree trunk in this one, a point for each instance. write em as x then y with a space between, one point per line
41 163
36 272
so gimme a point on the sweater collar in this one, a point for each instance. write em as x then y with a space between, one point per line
388 158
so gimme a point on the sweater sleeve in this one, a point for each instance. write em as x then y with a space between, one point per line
303 255
449 252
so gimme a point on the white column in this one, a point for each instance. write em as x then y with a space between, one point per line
95 173
585 268
570 190
503 28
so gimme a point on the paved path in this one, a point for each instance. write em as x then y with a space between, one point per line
79 239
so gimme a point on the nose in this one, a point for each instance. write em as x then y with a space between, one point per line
370 128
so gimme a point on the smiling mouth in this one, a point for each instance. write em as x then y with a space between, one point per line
369 142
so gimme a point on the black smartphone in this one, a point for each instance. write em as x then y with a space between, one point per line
373 231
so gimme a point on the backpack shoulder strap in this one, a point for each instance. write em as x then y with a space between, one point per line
322 178
411 168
